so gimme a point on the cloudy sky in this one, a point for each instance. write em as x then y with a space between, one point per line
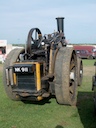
17 17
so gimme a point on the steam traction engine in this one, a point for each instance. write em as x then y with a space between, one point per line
45 67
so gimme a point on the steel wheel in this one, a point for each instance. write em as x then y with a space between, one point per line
12 57
66 76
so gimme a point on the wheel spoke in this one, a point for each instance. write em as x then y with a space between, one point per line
72 65
71 90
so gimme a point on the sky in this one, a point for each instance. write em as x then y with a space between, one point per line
17 17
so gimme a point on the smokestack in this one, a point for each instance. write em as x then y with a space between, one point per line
60 24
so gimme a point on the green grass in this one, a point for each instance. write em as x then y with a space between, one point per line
49 114
88 62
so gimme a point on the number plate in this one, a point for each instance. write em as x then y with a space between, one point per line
22 68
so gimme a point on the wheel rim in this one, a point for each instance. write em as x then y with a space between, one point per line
73 78
81 72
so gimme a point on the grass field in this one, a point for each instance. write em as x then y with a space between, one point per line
49 114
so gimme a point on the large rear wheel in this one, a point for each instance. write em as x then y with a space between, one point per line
12 57
66 76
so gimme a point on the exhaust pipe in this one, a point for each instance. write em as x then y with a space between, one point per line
60 24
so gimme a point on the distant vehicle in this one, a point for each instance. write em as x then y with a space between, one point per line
90 49
84 54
